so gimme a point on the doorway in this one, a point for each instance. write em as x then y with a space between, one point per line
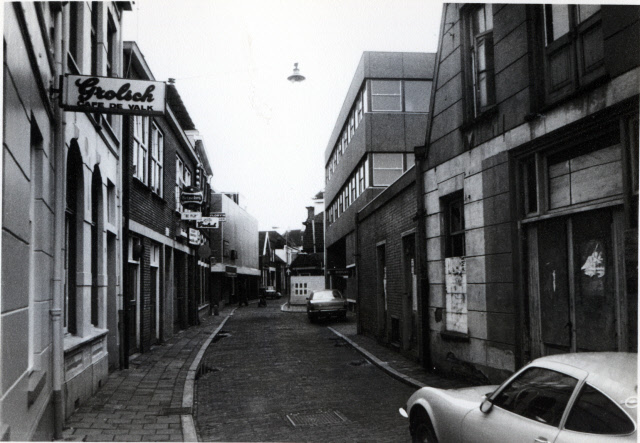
576 298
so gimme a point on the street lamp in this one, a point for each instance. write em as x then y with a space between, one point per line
296 77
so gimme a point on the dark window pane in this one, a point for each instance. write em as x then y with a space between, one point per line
538 394
416 96
385 87
594 413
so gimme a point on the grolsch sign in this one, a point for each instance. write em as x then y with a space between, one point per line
107 95
191 197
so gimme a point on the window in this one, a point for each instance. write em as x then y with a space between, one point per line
94 37
140 147
359 110
594 413
74 35
480 70
574 48
386 168
538 394
455 228
111 47
417 95
179 183
386 95
157 150
352 126
353 188
361 180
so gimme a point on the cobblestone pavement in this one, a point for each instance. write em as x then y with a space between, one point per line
144 402
273 376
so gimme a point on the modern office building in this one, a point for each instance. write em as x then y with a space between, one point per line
384 116
529 185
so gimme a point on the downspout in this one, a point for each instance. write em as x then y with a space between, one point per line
421 158
58 294
124 314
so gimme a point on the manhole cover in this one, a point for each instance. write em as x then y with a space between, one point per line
316 418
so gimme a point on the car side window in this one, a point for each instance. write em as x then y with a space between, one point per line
595 413
538 394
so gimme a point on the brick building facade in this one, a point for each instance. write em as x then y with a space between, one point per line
388 306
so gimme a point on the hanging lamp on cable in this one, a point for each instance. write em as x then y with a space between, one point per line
296 77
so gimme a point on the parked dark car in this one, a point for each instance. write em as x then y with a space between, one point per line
326 303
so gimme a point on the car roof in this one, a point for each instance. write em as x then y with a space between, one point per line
614 373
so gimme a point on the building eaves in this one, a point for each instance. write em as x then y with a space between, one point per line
179 109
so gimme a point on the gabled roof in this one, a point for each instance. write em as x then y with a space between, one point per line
178 107
294 238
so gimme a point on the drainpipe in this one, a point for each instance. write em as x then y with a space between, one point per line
422 159
58 259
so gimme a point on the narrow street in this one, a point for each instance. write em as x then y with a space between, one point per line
274 376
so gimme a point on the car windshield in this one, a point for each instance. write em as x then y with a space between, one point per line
326 295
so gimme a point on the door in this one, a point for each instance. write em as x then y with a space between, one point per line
134 309
410 299
574 299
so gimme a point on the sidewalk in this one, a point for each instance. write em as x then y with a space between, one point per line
153 399
392 362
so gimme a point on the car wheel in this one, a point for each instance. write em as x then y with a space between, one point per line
423 429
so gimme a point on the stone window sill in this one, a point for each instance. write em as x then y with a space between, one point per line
73 342
454 336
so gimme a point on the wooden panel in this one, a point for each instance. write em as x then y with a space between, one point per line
559 192
554 285
596 182
594 271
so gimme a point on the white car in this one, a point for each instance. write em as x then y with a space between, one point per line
582 397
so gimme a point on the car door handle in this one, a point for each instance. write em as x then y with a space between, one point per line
541 440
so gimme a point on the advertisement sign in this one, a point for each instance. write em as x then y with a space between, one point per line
107 95
220 215
208 222
190 215
195 237
191 197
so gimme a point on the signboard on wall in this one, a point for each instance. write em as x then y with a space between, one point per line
190 215
108 95
208 222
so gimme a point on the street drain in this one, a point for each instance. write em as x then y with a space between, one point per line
359 362
205 369
220 335
316 418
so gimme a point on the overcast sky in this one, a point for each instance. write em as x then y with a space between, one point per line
265 136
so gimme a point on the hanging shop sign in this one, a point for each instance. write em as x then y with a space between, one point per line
208 222
191 197
220 215
195 237
190 215
108 95
340 272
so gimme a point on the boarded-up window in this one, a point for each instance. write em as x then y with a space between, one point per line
456 287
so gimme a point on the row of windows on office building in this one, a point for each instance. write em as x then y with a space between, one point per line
148 154
385 169
380 96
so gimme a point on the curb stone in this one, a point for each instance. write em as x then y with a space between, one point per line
189 432
381 364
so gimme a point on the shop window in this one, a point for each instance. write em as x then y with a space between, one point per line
479 65
574 48
387 168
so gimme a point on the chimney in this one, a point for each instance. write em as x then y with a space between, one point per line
310 213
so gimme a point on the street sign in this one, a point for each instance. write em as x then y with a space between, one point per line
221 215
190 215
108 95
208 222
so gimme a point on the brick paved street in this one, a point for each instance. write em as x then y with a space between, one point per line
274 369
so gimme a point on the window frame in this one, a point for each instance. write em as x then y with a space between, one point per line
156 159
472 39
140 137
451 235
402 168
570 46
